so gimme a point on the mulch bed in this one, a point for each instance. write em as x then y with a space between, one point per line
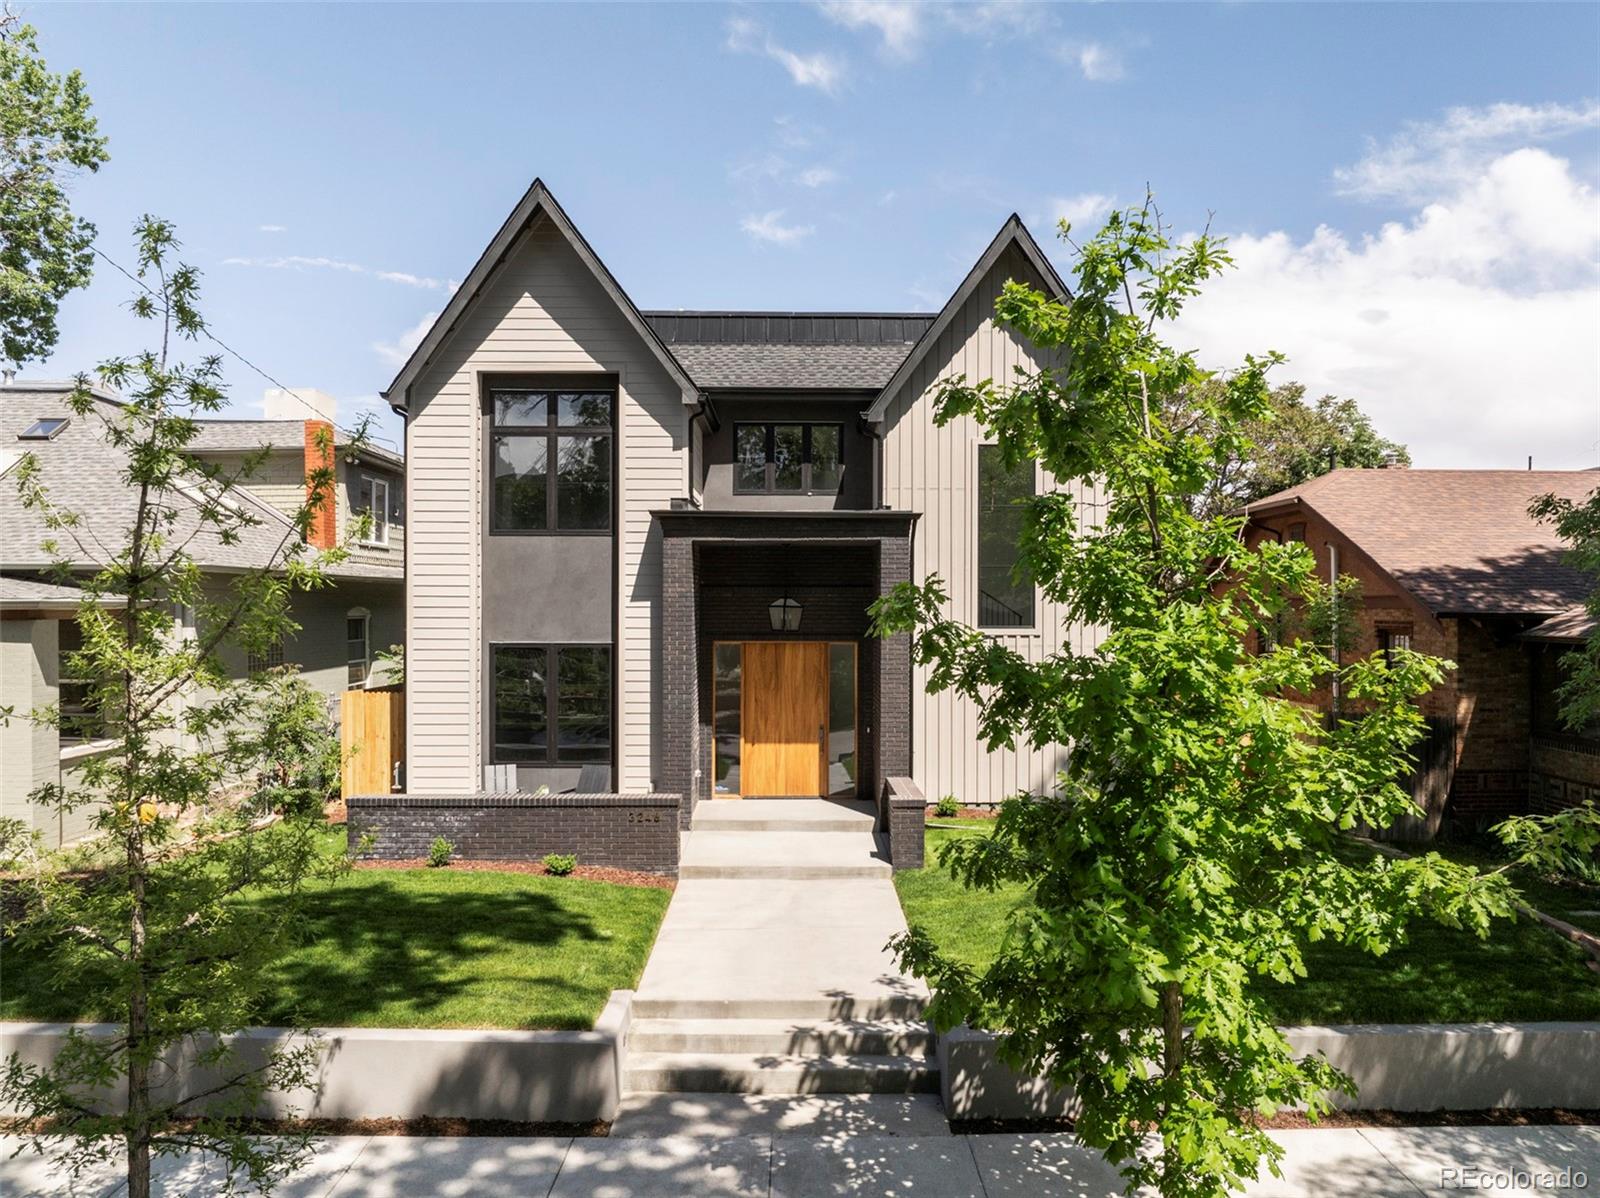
965 813
589 873
425 1125
1294 1120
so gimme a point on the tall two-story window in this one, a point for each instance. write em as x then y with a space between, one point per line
788 459
550 453
552 704
1004 600
375 501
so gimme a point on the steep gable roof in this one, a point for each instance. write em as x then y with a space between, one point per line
1012 233
1461 541
536 201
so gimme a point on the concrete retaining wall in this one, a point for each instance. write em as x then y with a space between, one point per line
374 1073
623 831
1402 1067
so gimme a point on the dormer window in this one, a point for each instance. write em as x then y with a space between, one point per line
788 459
43 429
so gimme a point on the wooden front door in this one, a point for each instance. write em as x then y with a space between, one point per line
784 714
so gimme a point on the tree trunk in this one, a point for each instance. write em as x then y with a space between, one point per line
1172 1028
138 1133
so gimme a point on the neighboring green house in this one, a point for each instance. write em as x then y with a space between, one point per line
341 627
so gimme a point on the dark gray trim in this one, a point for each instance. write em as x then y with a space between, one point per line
537 199
1013 232
788 328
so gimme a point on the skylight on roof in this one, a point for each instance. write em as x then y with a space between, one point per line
43 428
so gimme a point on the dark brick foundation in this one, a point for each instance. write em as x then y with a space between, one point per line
622 831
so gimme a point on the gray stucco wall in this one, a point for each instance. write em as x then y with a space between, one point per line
715 462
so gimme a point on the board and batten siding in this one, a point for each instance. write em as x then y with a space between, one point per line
934 471
542 311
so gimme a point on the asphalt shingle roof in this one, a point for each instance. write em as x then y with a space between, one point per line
735 365
29 592
219 436
1461 541
83 473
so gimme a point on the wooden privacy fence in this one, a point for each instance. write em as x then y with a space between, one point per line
372 739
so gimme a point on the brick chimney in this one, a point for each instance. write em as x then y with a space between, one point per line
324 532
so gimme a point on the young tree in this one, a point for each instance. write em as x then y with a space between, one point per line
46 133
1578 524
156 925
1195 845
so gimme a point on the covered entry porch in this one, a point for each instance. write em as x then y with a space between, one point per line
774 687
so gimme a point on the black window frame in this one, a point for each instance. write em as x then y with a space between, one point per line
551 430
770 473
552 708
1031 625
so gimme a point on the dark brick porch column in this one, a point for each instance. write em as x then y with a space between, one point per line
680 683
894 672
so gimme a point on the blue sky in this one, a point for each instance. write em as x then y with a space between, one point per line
1411 188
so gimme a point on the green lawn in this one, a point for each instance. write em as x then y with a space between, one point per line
1522 972
422 948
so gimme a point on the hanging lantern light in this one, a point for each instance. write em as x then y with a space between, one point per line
784 614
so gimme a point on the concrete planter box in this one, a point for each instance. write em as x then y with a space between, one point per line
1402 1067
374 1073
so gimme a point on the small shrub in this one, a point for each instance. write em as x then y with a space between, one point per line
560 864
947 807
439 852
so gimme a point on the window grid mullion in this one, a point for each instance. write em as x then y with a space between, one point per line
550 699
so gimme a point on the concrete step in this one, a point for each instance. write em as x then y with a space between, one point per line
785 815
716 853
826 1037
718 1116
889 1003
751 1073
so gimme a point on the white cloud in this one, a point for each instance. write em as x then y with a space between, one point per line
272 229
769 227
817 176
1081 209
1098 62
1465 331
898 23
299 262
820 70
998 19
1428 156
887 198
397 351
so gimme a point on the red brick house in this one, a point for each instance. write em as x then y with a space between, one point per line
1450 563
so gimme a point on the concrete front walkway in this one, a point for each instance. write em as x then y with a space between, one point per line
1336 1163
770 973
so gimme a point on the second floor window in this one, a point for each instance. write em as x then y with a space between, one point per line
551 460
1004 600
788 459
375 501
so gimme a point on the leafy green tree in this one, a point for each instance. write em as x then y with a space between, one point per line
1289 443
157 924
1195 844
46 133
1578 524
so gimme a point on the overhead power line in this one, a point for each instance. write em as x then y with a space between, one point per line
224 346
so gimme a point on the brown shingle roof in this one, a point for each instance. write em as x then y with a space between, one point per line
1461 541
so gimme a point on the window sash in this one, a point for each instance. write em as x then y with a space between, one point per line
568 713
81 719
358 659
808 483
1005 603
375 499
560 420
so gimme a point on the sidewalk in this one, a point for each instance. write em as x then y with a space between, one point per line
1333 1163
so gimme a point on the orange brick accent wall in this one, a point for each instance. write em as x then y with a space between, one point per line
325 524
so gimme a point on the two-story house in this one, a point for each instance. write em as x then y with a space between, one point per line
642 545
